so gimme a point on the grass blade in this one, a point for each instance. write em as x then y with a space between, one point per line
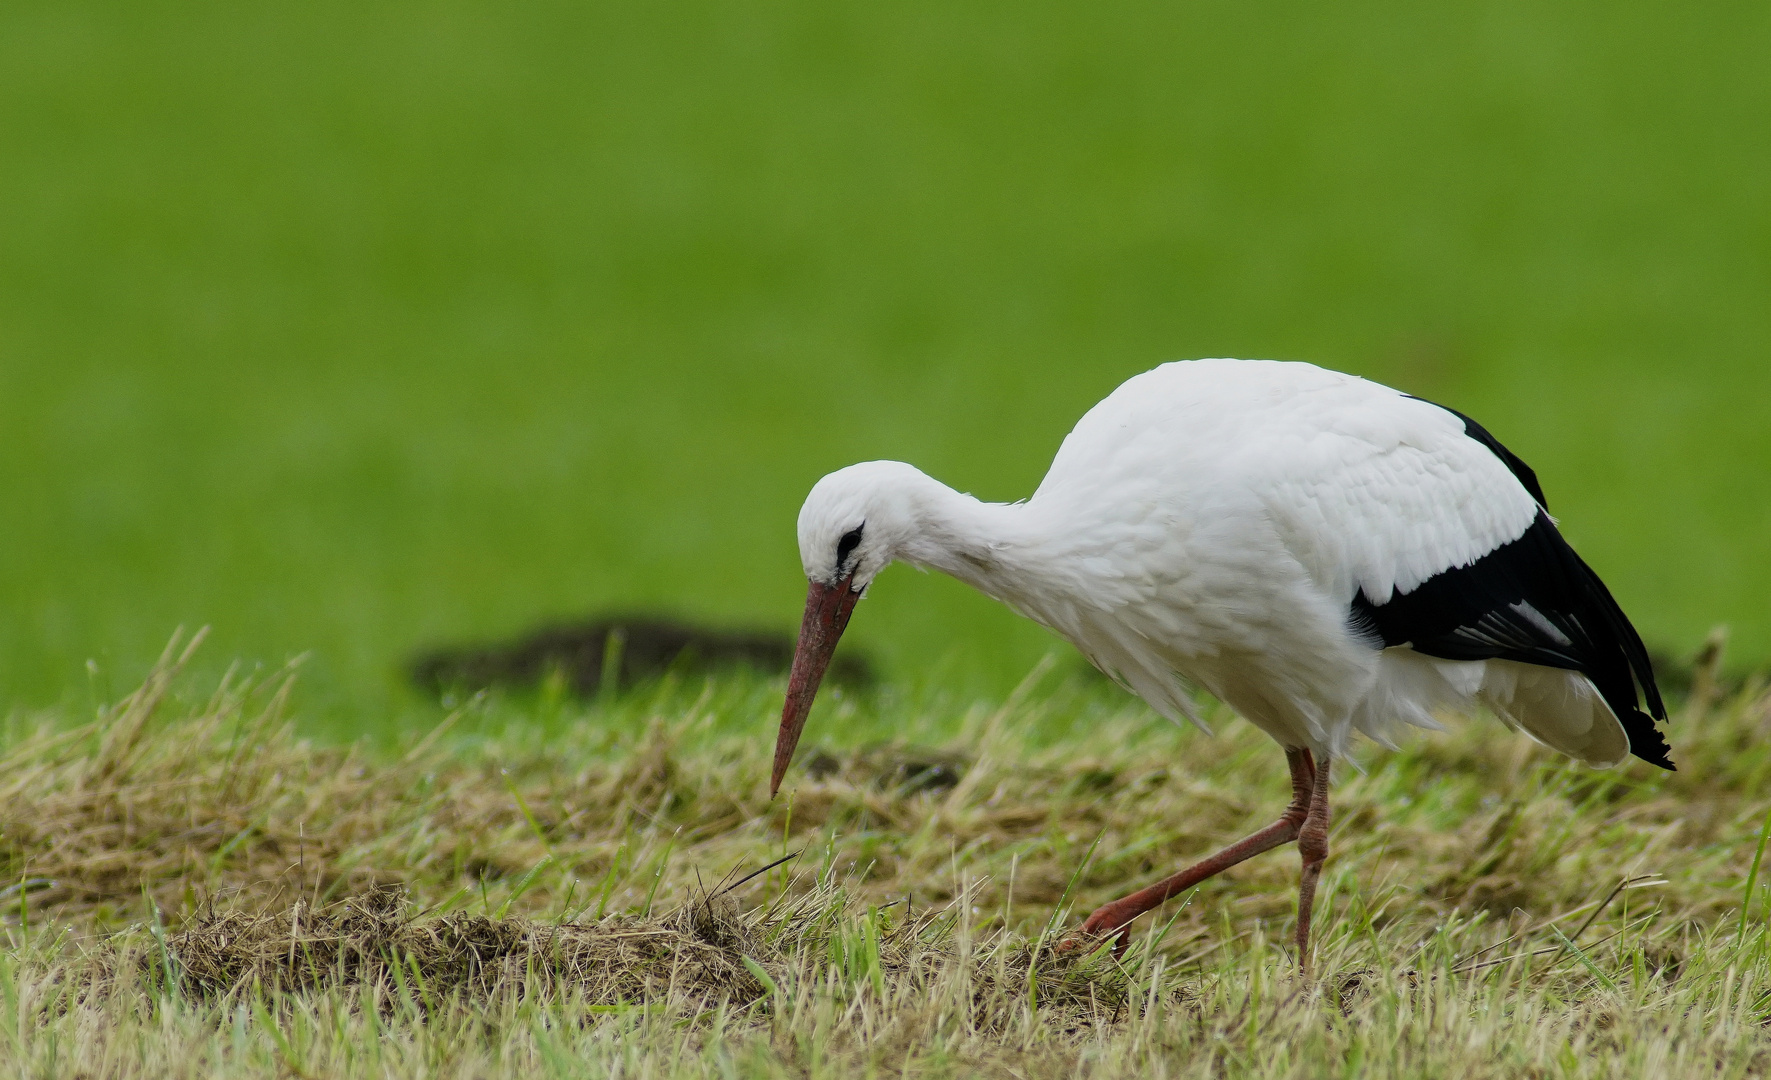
1752 877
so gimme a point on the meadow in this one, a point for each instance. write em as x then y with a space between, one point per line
349 329
553 888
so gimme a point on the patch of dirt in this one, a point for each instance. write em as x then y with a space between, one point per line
905 770
377 938
642 646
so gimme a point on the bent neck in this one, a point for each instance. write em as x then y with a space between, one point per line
980 543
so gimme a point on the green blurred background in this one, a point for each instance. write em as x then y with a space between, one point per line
353 327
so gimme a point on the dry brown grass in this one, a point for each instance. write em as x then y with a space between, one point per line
378 939
189 859
708 953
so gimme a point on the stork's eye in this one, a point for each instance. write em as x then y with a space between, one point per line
850 540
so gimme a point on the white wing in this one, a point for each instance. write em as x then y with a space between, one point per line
1367 488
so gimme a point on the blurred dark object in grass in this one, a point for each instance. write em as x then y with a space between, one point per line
893 767
637 647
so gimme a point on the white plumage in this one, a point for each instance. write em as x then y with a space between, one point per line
1324 554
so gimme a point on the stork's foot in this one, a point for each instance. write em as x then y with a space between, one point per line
1108 923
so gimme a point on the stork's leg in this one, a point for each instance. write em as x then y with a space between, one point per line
1115 918
1313 846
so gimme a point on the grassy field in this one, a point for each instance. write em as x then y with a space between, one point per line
349 328
550 889
353 327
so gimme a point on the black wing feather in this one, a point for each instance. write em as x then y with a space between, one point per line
1535 601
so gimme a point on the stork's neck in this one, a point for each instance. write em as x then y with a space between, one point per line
983 544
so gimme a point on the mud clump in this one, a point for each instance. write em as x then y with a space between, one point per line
892 767
639 646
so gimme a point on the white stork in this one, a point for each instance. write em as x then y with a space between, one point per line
1324 554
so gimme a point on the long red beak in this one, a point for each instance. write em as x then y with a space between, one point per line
827 614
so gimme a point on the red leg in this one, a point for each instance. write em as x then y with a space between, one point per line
1313 846
1115 918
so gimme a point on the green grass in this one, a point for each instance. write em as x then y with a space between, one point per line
210 895
349 328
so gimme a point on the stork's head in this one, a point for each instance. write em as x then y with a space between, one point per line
852 525
855 519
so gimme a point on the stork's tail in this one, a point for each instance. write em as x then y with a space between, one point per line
1560 708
